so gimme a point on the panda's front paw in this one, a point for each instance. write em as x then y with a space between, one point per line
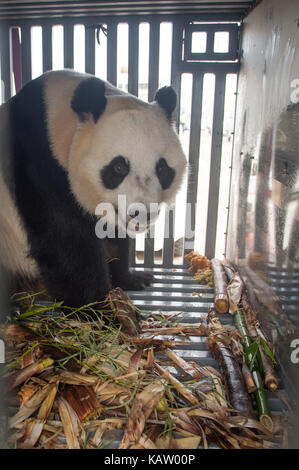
134 281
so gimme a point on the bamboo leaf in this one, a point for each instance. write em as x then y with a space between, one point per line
36 311
260 361
250 354
267 350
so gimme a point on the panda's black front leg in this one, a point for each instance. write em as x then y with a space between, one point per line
72 260
119 267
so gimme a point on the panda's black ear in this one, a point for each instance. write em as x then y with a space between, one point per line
89 98
166 97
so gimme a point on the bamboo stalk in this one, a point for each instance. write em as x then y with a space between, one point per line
270 378
220 285
232 376
260 395
248 379
35 368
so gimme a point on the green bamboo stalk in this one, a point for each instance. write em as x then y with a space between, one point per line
260 394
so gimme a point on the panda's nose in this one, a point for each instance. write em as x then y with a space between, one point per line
143 182
135 213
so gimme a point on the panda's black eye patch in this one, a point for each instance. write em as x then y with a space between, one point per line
115 172
164 173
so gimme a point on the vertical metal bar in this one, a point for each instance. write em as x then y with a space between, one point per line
68 45
153 72
133 58
196 112
153 83
168 249
5 62
132 252
149 249
16 58
177 41
132 88
112 53
215 165
89 50
47 47
210 41
26 54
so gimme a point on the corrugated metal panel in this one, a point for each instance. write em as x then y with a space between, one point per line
43 9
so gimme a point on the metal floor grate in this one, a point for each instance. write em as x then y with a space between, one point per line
172 291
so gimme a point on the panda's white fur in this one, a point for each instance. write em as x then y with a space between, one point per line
14 248
138 131
95 145
128 127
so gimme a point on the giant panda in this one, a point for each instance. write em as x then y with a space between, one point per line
72 141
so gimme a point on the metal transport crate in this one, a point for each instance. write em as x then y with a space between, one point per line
234 67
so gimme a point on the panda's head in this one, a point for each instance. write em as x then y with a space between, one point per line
124 147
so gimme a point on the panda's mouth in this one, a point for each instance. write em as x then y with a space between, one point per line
133 225
137 227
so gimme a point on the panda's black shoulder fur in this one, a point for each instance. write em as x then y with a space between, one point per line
89 97
60 234
72 261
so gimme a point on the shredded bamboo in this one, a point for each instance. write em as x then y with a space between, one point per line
97 378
